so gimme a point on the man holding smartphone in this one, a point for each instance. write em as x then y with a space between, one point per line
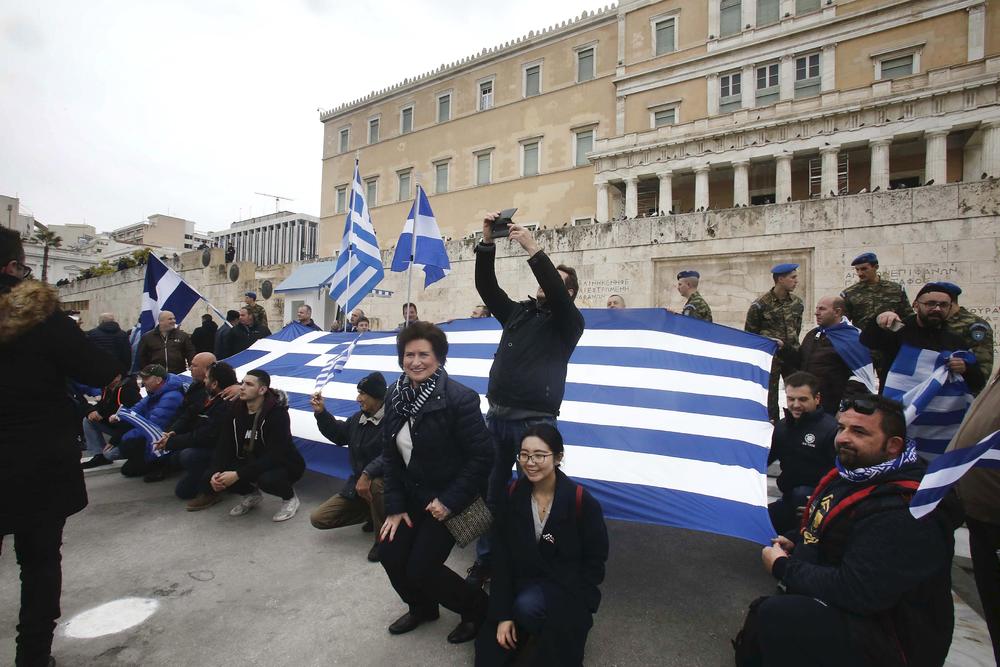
528 377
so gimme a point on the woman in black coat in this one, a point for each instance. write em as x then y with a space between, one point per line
438 455
551 545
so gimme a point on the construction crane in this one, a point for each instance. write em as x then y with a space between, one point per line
277 199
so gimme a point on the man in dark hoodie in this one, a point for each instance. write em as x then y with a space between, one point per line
203 338
866 583
803 442
528 376
41 483
255 452
108 336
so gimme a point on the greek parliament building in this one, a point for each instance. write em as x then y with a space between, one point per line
276 238
648 108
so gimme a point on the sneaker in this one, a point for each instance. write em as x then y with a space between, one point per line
288 509
95 461
203 501
478 574
249 501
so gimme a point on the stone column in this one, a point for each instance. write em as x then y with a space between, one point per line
714 20
828 68
783 178
602 202
879 163
631 197
787 7
828 182
748 89
991 148
701 187
786 78
977 32
741 183
666 191
936 156
748 11
713 94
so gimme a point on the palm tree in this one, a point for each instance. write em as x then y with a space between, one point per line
48 239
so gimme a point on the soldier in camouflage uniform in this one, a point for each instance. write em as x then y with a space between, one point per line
873 295
974 330
257 310
777 314
687 286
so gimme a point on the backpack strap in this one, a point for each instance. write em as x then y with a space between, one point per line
512 486
817 492
579 501
908 488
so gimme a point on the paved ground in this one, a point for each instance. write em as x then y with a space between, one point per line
246 591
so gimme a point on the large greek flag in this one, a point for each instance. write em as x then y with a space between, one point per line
359 265
935 400
164 289
422 238
664 417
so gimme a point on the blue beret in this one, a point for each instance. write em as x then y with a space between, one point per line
949 288
865 258
783 268
688 274
252 295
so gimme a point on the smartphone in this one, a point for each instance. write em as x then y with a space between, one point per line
501 226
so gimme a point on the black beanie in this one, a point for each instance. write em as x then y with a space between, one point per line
937 287
373 385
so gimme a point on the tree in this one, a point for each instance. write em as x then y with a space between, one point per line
48 239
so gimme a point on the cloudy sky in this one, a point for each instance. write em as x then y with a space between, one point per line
114 110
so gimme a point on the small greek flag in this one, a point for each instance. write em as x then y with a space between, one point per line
359 265
334 366
934 399
946 469
149 430
428 251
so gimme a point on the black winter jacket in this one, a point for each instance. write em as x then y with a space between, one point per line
203 338
240 337
40 348
273 448
529 367
200 430
173 351
109 337
889 574
819 357
452 451
194 400
574 558
805 448
114 396
363 442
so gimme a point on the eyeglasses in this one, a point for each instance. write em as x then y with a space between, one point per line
22 267
534 459
935 305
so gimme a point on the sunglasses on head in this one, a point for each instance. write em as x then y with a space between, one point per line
869 406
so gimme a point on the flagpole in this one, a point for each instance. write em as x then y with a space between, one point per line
413 249
350 239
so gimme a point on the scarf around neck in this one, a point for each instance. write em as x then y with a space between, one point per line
407 401
866 474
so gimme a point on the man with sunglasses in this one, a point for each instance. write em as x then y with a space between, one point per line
924 329
865 582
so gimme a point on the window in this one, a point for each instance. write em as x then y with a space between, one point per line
485 95
584 144
484 167
371 192
529 158
440 177
893 68
532 80
730 17
341 198
444 107
803 6
663 117
730 92
807 82
406 120
373 131
767 84
665 36
345 140
582 221
585 64
404 184
768 11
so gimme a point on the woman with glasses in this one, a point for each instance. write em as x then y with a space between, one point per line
437 459
551 545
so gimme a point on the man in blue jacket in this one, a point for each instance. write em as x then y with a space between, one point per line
164 396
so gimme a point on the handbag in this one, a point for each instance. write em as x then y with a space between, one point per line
469 524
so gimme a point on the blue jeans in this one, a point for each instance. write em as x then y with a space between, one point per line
194 462
94 432
507 435
783 510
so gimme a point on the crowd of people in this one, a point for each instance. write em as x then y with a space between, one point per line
858 575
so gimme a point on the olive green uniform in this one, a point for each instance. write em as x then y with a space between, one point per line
866 301
977 334
774 317
697 308
259 314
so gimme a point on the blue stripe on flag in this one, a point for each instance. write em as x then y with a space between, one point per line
948 468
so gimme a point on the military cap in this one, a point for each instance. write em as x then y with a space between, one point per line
950 288
688 274
252 295
936 287
780 269
865 258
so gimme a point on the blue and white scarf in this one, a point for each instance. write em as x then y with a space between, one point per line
907 456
